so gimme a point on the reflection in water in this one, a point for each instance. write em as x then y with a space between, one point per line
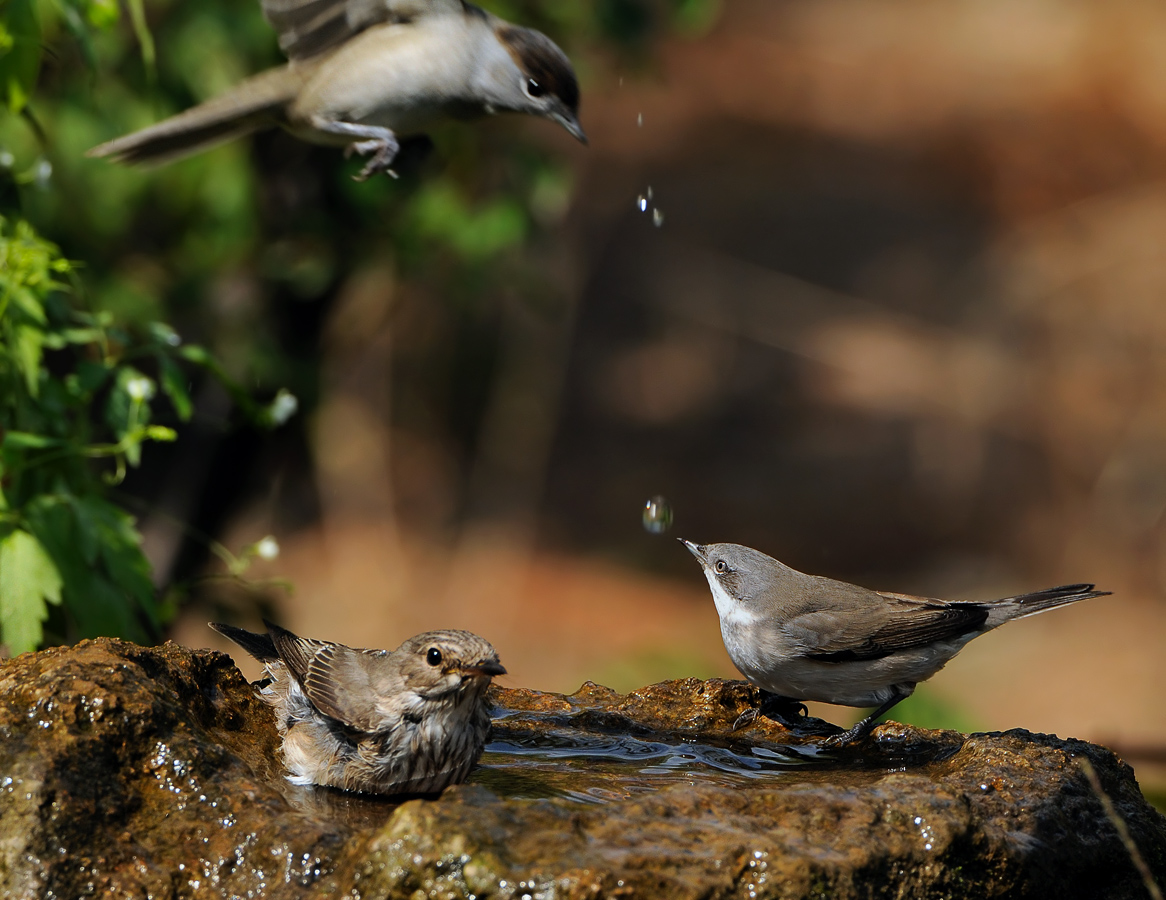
595 767
593 754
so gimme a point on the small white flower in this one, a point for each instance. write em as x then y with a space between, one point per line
283 407
140 388
42 173
267 548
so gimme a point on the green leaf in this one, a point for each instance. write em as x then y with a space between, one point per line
28 342
101 13
82 335
91 375
120 548
28 581
27 301
99 603
21 63
142 30
174 385
196 354
23 440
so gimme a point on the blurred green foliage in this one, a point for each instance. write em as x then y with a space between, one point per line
238 249
928 708
61 541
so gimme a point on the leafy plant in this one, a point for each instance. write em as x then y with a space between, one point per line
74 390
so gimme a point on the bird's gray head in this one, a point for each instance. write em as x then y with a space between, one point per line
738 575
437 664
547 85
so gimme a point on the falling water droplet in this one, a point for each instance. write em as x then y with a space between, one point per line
657 217
657 515
640 120
642 203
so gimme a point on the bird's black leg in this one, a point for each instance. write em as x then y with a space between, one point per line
783 710
786 710
863 728
380 144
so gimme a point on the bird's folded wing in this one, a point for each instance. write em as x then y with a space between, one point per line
309 27
899 625
335 678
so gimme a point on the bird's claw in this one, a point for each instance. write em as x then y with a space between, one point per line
747 718
383 152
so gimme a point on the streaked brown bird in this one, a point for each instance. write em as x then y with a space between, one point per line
410 721
362 74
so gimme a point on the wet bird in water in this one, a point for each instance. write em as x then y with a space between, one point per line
363 74
410 721
804 637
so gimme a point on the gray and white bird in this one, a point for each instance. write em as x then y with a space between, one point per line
410 721
805 637
365 73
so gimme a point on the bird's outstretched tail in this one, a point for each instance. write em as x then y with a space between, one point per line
1051 598
261 646
254 105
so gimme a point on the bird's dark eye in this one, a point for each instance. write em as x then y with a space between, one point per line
433 657
722 567
534 88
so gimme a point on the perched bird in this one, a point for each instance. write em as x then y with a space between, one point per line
365 73
805 637
410 721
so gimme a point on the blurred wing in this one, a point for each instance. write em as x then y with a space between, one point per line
309 27
904 626
335 678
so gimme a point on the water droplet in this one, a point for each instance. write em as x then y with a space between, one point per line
657 515
640 120
657 217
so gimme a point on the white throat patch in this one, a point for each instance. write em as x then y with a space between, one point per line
732 611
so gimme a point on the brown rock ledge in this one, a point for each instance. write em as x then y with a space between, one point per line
128 771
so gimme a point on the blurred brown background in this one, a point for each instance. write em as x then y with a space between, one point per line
899 318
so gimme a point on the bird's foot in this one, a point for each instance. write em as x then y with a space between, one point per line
789 713
747 718
851 735
381 143
383 150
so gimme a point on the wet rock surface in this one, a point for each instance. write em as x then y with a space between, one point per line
153 772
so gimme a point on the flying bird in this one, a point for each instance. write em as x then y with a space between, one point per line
363 74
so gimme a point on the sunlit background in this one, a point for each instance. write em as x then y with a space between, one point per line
876 287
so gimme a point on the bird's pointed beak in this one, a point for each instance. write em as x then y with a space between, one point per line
697 550
489 669
568 120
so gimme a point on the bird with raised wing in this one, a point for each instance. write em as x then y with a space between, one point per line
363 74
410 721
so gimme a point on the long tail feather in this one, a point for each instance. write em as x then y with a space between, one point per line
261 646
255 104
1040 601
